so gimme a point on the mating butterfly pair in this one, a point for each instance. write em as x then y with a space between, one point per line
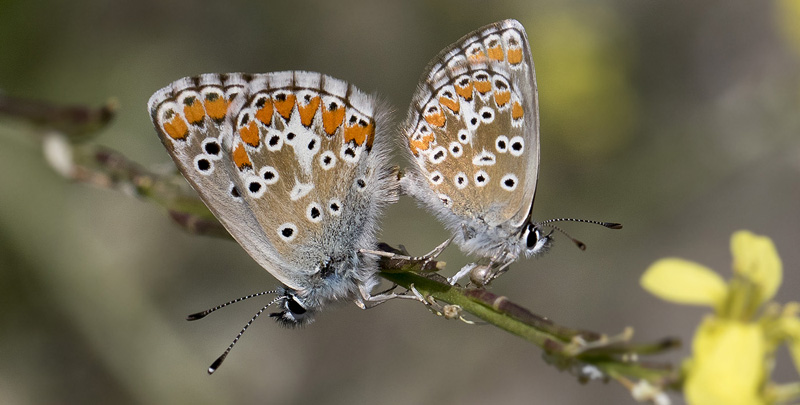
295 164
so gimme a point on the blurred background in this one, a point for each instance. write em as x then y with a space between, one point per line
678 119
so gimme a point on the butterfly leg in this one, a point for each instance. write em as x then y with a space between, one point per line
467 269
400 256
482 275
367 300
399 260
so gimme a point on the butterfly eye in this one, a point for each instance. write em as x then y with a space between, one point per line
533 236
294 312
535 241
294 307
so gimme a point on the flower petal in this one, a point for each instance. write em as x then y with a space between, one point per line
684 282
756 258
728 364
791 326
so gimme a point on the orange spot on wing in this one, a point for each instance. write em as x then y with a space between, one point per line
194 112
450 103
359 133
483 86
517 111
264 114
419 145
496 53
249 134
465 91
240 157
332 119
436 118
216 106
308 111
502 97
284 103
176 128
477 55
515 56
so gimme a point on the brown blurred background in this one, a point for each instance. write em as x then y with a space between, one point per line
678 119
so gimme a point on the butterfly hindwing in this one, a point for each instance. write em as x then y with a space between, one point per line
315 175
288 162
473 131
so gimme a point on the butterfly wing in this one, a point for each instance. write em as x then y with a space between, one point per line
190 118
314 172
299 178
473 130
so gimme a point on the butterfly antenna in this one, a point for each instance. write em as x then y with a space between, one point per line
200 315
579 244
215 365
610 225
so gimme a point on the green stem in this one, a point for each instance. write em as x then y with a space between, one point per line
566 347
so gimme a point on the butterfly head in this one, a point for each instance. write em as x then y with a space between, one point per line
334 278
536 240
294 310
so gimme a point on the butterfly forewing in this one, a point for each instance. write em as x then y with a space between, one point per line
190 118
473 127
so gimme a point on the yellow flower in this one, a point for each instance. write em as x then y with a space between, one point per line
757 274
728 363
733 349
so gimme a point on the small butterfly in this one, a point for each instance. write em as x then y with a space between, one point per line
473 136
295 166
